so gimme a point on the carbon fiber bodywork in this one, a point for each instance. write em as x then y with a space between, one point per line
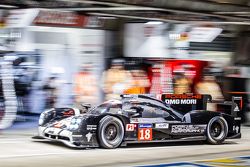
145 119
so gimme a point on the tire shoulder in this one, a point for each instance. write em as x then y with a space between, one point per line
209 138
100 128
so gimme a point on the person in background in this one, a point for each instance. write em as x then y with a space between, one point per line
116 80
50 92
85 87
182 84
139 83
208 85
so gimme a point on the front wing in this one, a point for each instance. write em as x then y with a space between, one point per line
69 138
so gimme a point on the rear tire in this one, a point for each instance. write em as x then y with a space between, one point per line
110 132
217 130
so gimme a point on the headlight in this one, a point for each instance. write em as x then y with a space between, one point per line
73 127
78 120
41 119
44 115
75 123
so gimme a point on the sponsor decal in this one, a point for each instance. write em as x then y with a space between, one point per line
162 125
130 127
237 118
186 129
236 108
135 120
89 136
145 125
145 134
130 96
181 101
91 127
62 123
158 96
147 120
182 96
58 125
76 135
50 132
238 103
236 129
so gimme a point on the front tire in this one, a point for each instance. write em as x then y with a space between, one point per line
110 132
217 130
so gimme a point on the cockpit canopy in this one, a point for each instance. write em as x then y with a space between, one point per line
111 106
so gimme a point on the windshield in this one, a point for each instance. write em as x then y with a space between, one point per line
100 109
112 107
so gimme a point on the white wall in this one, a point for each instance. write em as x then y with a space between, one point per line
63 50
139 44
153 40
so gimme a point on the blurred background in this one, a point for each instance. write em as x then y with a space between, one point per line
56 53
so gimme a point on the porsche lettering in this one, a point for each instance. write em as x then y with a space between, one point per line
183 96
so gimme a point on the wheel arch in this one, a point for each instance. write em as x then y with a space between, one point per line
223 134
202 116
122 118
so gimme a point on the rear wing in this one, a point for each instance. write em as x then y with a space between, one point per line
233 107
188 102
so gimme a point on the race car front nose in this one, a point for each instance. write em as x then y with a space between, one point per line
55 133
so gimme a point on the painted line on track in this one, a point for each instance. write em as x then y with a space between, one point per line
242 161
34 155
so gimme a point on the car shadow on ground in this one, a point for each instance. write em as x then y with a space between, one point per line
56 143
136 145
175 144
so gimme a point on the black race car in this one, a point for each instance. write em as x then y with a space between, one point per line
140 119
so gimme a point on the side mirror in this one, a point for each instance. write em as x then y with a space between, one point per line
131 111
86 105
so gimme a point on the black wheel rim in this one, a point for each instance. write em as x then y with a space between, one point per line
111 132
217 130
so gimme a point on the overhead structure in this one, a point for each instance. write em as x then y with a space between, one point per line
177 11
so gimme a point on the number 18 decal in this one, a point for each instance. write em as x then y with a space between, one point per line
145 134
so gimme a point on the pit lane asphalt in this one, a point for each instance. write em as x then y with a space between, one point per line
19 150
